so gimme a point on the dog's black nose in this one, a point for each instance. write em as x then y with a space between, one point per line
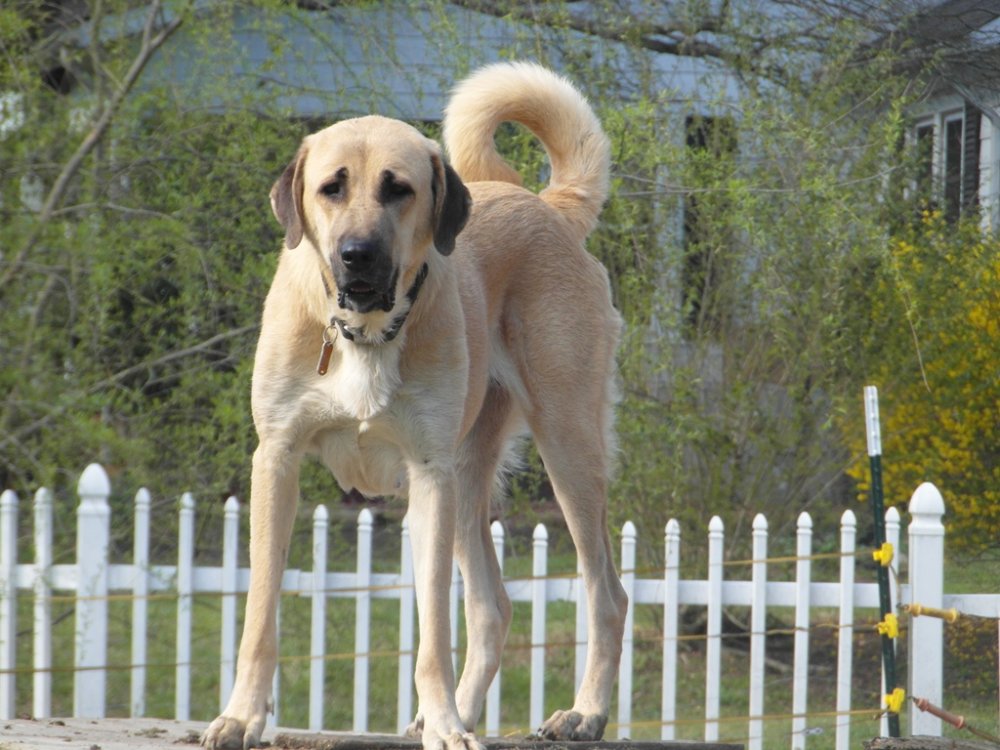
358 255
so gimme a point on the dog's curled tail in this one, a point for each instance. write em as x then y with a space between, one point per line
551 108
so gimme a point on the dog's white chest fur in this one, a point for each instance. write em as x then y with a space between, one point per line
367 377
358 447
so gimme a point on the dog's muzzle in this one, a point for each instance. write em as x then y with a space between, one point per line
366 279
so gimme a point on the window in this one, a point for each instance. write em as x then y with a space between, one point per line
947 168
711 146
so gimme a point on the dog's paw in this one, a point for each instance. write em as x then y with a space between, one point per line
416 728
228 733
454 741
572 725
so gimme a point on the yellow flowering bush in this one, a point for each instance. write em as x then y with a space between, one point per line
934 353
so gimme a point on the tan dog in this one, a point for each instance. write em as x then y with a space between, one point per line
408 369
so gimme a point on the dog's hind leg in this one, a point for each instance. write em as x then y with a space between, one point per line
487 607
574 451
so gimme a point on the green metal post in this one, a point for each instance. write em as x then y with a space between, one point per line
882 572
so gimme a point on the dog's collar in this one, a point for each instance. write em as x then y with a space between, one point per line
356 334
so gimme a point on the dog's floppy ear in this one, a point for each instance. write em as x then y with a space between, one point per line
451 205
286 199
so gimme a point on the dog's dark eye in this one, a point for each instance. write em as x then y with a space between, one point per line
331 189
394 189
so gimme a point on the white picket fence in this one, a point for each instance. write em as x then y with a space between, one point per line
93 577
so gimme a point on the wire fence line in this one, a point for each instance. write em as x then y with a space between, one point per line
95 581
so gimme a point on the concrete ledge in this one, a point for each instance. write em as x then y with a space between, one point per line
167 734
292 740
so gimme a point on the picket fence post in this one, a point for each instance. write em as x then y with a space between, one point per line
456 583
800 658
892 526
8 602
758 632
845 633
407 600
713 630
230 580
185 587
671 585
493 693
580 606
539 569
317 636
625 666
93 528
140 601
42 683
926 573
362 619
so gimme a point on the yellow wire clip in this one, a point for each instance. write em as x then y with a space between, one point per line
883 555
889 626
916 610
894 701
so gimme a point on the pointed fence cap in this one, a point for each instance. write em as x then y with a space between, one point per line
760 522
927 501
8 499
94 483
43 498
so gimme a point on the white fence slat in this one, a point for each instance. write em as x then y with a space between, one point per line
845 632
93 519
456 586
230 580
579 595
892 526
317 636
42 657
493 692
671 580
272 718
539 569
140 602
185 589
713 645
758 633
407 596
92 577
8 602
625 665
800 658
362 620
926 536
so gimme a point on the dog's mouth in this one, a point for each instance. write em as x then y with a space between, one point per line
364 296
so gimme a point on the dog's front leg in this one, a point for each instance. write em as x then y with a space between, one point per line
433 503
273 497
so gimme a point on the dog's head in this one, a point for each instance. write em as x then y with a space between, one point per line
373 196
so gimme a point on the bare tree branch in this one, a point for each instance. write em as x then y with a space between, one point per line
151 42
23 431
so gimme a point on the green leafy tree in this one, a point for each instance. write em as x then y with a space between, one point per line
747 213
932 351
